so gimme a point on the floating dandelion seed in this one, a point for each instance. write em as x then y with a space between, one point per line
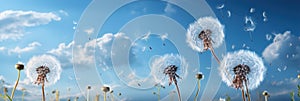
19 67
199 77
249 26
205 33
266 94
42 72
105 90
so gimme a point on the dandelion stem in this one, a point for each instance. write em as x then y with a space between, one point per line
195 99
243 94
266 98
247 92
15 87
179 97
213 52
43 92
104 96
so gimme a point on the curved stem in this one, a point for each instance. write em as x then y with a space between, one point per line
17 82
195 99
178 91
213 52
266 98
43 92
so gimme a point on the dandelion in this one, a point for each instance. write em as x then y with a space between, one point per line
19 67
105 90
168 64
206 33
235 74
199 77
88 93
298 76
266 94
171 72
42 72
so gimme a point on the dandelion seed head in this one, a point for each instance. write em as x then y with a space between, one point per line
205 23
43 60
245 57
159 63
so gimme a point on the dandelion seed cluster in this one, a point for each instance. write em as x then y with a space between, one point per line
202 24
160 63
252 60
49 61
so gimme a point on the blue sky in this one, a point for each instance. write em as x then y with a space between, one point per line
115 43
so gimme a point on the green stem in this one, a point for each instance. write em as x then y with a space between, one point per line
195 99
15 87
104 96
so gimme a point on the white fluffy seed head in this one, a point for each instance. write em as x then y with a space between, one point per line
205 23
255 76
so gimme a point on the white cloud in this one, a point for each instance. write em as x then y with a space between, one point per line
13 23
2 48
277 51
28 48
84 52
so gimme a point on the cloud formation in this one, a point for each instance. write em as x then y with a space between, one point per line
284 50
28 48
13 22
